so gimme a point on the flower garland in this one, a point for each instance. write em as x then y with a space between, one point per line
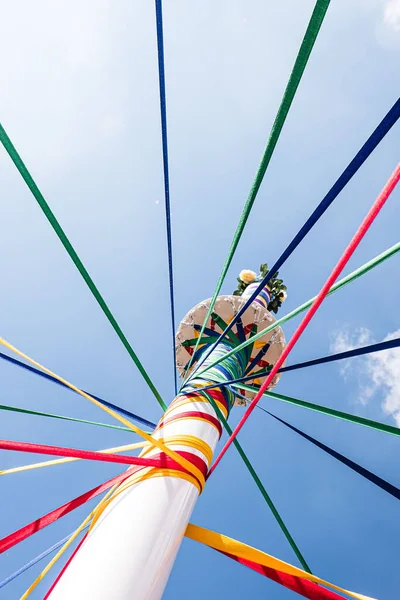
275 286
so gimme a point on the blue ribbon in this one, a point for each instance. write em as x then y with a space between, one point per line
382 483
35 560
122 411
163 110
318 361
372 142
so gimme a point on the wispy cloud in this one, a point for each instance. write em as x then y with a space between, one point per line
388 24
378 374
391 14
344 341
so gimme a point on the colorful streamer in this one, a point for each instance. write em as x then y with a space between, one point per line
123 411
23 533
35 560
37 413
260 486
228 545
61 573
378 481
332 412
296 75
53 561
164 137
371 348
50 463
157 462
234 365
354 243
305 588
183 462
337 286
84 525
27 177
356 163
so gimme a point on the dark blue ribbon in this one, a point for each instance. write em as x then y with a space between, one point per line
382 483
35 560
163 110
122 411
372 142
317 361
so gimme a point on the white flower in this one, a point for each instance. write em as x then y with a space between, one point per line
282 296
247 276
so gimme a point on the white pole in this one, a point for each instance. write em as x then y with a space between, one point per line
130 552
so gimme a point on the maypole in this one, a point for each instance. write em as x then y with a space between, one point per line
130 549
136 530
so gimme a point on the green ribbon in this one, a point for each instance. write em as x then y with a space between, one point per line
300 64
43 414
259 484
337 286
327 411
17 160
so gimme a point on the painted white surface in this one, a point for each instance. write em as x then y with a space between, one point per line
131 550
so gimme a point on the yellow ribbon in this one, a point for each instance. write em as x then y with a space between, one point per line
191 417
178 403
59 461
65 546
148 473
186 440
187 465
55 558
207 537
231 546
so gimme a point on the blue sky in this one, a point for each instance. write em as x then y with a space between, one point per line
80 102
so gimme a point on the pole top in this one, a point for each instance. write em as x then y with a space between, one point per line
264 352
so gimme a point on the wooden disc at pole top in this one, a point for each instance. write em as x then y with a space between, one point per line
254 319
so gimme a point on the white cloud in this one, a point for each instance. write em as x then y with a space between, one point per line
345 341
378 374
391 15
388 25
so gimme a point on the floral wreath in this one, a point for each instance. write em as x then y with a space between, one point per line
275 286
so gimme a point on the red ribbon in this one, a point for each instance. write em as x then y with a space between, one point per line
305 588
159 461
162 461
215 393
192 414
61 573
21 534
